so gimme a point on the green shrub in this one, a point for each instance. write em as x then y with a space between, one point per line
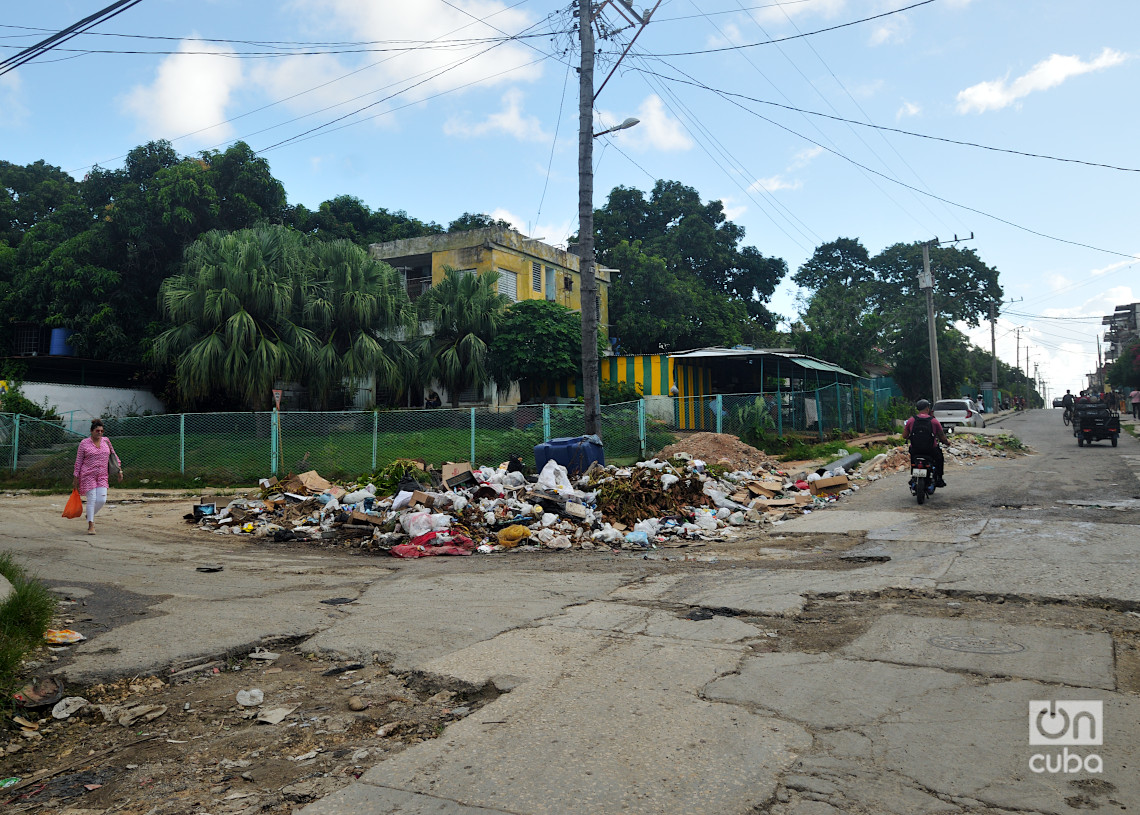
25 614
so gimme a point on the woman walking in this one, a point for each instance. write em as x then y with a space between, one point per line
92 466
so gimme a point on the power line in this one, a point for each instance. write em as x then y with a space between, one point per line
794 36
966 207
900 131
75 29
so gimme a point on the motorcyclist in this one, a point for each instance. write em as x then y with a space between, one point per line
925 441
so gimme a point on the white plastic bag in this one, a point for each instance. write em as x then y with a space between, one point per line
357 496
402 500
668 480
554 478
416 523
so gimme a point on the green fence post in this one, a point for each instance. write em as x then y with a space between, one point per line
875 405
779 411
16 442
818 415
182 443
641 426
375 438
546 423
718 406
472 437
274 429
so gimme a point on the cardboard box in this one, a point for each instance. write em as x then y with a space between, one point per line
829 486
769 489
421 497
367 518
771 503
457 474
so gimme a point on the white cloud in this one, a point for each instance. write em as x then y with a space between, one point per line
999 93
774 183
510 121
358 80
731 211
891 30
13 111
908 109
805 157
656 131
777 13
189 93
1112 267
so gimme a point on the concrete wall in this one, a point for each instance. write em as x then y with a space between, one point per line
89 402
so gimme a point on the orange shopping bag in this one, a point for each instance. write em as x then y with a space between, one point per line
74 506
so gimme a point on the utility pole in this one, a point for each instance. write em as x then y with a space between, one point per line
993 354
589 287
1016 355
926 281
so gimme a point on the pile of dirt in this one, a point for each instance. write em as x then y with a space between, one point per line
203 750
715 447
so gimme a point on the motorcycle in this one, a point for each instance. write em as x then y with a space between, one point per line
921 476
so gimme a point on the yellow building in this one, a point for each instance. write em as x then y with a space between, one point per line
528 269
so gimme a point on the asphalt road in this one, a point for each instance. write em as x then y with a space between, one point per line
876 657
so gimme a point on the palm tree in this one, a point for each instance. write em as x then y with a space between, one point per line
358 309
234 311
466 310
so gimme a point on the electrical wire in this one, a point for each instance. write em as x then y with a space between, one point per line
792 37
55 40
884 128
553 145
966 207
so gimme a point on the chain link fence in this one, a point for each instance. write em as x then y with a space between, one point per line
226 448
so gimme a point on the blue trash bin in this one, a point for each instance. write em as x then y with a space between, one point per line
576 454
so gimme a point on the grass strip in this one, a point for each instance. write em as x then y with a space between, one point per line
25 614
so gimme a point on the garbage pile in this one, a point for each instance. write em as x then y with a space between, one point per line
964 450
411 510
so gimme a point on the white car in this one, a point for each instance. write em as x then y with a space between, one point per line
956 413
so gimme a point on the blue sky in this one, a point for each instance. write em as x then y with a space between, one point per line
442 116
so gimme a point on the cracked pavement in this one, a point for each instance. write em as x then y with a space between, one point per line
887 668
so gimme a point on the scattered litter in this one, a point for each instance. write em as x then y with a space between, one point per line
338 601
275 716
62 636
263 655
40 692
8 782
339 669
250 698
65 707
209 567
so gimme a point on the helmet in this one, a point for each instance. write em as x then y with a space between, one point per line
922 404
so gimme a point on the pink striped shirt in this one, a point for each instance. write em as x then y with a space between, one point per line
92 462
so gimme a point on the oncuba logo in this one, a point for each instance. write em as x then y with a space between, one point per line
1066 723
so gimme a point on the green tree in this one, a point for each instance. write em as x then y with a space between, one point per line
537 340
466 312
1124 373
654 308
693 239
356 307
841 321
471 220
235 313
346 217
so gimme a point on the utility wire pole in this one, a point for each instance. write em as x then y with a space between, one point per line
589 287
926 281
591 304
993 353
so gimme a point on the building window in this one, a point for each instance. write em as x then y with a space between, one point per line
551 286
536 275
598 307
509 285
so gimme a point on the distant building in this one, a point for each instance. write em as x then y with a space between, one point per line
528 269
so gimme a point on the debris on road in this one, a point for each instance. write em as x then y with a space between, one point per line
412 510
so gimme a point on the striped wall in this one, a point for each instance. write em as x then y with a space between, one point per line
693 407
649 373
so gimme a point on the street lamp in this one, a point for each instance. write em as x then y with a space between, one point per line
628 123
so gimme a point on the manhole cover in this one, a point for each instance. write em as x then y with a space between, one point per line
976 645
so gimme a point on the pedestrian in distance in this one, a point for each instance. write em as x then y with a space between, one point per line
93 462
1134 397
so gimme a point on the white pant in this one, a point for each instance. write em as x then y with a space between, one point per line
95 500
